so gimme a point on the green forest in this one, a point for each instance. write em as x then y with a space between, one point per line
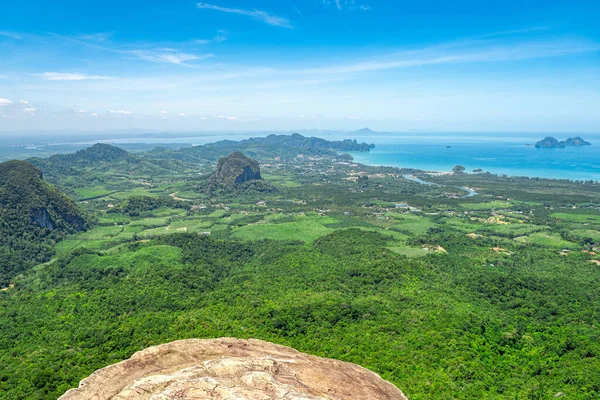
448 297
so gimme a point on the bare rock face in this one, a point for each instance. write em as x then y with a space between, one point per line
234 170
231 369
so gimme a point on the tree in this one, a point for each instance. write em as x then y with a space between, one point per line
458 169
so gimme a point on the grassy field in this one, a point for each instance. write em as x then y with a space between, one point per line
579 218
306 228
91 193
281 180
411 224
546 239
492 205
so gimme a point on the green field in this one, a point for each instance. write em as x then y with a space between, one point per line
546 239
304 228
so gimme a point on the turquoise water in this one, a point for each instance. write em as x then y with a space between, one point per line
513 158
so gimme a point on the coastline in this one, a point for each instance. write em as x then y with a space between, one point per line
502 159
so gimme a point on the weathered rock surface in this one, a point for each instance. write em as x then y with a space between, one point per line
234 170
230 368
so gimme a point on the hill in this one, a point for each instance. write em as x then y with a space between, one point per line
263 148
98 156
33 215
230 368
576 141
234 170
101 164
364 131
552 143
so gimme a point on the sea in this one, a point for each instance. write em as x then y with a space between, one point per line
497 154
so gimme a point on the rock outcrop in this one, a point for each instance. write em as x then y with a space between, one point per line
576 141
234 170
552 143
229 368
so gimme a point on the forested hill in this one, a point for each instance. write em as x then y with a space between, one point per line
98 155
33 215
262 148
98 163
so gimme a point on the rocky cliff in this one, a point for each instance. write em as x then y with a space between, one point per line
231 369
33 216
234 170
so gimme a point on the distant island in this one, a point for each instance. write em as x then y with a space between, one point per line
552 143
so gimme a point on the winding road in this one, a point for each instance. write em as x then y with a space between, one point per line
413 178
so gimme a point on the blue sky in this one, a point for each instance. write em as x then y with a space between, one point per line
291 64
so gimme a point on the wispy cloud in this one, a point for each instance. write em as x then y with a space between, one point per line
469 52
514 32
96 37
346 5
220 37
121 112
169 56
259 15
12 35
61 76
155 55
5 102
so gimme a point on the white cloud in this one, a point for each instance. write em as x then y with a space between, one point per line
4 102
30 110
121 112
259 15
164 112
182 115
24 102
60 76
168 56
227 117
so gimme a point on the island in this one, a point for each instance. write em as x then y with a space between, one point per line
552 143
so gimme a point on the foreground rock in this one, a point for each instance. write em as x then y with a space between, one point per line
231 369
